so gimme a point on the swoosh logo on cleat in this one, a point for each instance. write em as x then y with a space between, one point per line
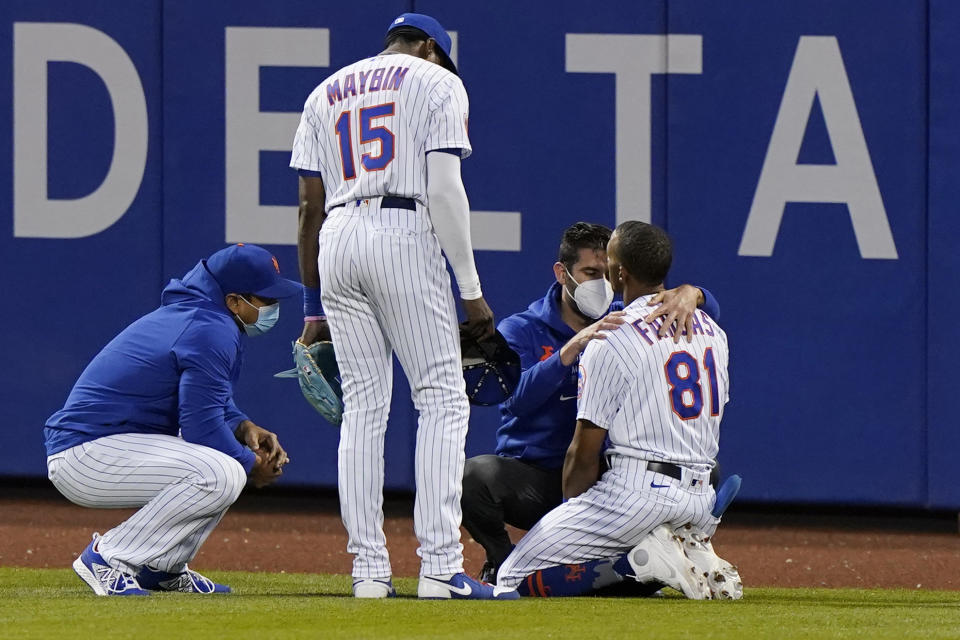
465 590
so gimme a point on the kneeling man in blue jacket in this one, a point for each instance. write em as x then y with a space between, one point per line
152 423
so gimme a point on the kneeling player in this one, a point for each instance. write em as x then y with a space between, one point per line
660 404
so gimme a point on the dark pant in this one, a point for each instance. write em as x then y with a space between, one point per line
499 491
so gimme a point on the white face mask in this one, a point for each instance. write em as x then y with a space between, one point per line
593 297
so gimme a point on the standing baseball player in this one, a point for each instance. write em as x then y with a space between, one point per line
378 151
152 423
660 404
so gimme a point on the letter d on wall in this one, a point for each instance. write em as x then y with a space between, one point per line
34 214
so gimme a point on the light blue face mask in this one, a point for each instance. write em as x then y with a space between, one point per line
266 318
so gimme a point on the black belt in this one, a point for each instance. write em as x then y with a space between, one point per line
666 469
390 202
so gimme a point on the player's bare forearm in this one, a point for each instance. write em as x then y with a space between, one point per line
577 478
311 216
581 467
308 249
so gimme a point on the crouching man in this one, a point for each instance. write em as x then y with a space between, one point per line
152 423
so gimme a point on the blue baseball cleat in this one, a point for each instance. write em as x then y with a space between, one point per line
728 490
187 582
101 577
460 586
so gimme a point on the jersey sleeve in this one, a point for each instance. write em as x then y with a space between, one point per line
539 379
710 304
725 371
600 390
447 128
208 415
306 146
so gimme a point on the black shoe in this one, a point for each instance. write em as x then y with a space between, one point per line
488 574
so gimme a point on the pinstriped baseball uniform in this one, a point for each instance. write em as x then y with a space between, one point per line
659 401
367 127
187 488
385 289
152 423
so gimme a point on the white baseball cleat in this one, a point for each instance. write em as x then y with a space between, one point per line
373 588
722 578
659 557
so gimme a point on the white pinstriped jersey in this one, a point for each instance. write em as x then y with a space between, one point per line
658 400
367 128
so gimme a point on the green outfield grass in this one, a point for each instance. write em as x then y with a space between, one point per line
46 603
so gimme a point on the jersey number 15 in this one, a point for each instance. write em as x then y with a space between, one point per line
368 134
683 376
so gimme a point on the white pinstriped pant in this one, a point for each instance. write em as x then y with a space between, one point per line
610 518
385 289
183 488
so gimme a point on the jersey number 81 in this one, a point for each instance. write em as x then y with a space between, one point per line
683 376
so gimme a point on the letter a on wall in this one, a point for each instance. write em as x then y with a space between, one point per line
818 71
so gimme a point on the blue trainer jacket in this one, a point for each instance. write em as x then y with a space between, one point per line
172 371
537 422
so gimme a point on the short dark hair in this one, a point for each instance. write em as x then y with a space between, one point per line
582 235
407 35
645 251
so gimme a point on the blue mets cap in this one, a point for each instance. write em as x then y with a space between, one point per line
247 268
432 28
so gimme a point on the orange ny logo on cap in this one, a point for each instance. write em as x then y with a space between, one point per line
276 265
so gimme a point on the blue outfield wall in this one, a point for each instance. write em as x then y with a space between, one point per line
802 154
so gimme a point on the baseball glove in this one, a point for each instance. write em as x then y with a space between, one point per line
319 377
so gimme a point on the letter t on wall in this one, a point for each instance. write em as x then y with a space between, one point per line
633 59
